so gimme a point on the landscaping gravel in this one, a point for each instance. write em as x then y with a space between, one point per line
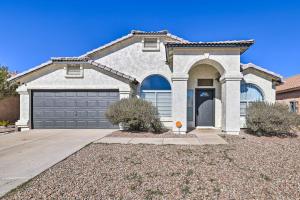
248 167
168 134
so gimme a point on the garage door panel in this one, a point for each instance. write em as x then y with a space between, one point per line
70 114
48 102
59 94
72 109
70 124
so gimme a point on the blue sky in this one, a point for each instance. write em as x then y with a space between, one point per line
33 31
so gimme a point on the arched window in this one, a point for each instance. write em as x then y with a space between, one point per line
157 90
249 93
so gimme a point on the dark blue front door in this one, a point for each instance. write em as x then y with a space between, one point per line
205 107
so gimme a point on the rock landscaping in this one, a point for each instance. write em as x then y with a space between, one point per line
248 167
168 134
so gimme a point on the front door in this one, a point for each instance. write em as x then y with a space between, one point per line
205 107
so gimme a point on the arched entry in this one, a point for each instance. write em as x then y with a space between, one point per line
204 106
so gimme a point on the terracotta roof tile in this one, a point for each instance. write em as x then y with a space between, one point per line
289 84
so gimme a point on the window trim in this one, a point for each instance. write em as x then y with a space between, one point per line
296 106
157 48
80 75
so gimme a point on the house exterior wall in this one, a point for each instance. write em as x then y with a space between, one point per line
266 86
287 97
227 63
130 58
187 65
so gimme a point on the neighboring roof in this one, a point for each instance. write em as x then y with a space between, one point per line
71 60
130 35
243 44
290 84
276 77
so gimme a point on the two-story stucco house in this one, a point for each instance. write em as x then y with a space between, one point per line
200 84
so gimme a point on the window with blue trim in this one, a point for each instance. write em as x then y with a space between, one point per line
249 93
157 90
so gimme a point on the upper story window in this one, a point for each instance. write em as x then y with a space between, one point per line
294 106
249 93
150 44
74 71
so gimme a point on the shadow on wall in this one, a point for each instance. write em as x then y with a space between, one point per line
10 108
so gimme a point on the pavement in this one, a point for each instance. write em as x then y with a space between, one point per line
23 155
204 137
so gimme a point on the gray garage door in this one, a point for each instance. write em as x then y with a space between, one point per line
72 109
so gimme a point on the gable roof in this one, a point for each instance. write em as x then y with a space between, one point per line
275 76
290 84
76 60
132 34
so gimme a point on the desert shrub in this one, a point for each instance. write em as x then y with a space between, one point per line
271 119
135 115
4 123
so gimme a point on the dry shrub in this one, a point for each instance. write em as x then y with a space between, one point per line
271 119
135 115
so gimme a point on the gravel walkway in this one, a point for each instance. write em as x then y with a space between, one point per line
248 167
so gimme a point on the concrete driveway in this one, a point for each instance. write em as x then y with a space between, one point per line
24 155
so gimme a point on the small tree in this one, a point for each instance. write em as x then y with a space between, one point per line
6 88
271 119
135 115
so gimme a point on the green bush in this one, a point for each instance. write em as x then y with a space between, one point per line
272 119
135 115
4 123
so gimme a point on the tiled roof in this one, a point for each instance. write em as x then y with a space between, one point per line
131 34
291 83
115 72
277 77
244 44
70 59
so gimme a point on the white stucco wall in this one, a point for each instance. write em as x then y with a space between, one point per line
227 62
134 61
54 77
264 83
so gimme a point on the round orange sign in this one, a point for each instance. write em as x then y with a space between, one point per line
178 124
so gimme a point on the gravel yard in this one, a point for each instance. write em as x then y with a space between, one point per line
248 167
168 134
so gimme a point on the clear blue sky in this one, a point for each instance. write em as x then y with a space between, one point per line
33 31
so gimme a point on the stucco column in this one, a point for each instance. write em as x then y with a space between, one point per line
231 104
179 102
23 122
